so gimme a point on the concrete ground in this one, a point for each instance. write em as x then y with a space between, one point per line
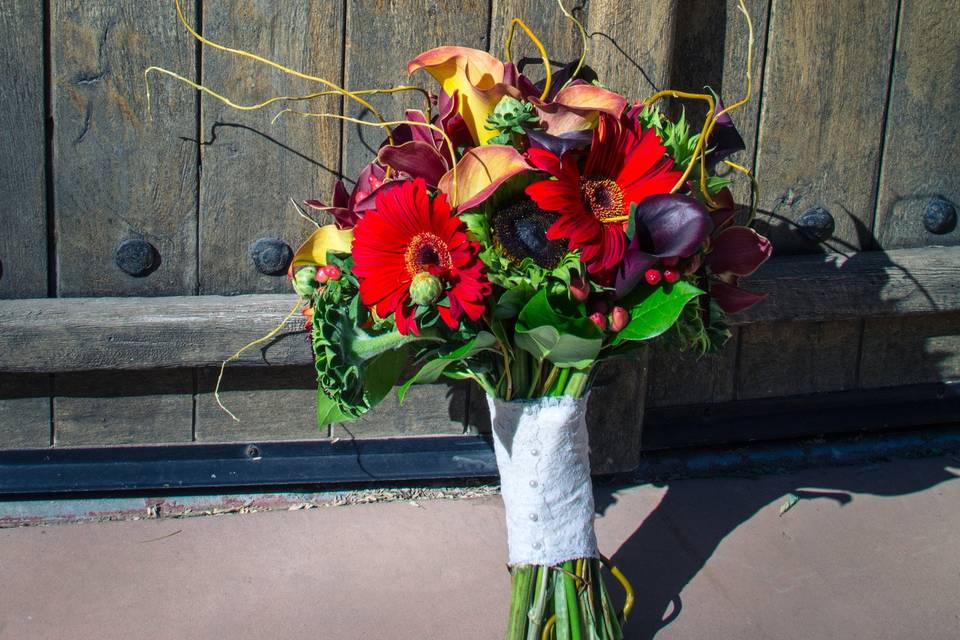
870 551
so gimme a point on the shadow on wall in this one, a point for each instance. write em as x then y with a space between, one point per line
678 538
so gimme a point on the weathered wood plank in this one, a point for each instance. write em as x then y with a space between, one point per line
558 35
686 378
24 410
251 169
433 409
198 331
123 407
272 404
121 175
822 116
901 351
23 241
921 159
630 50
789 359
382 36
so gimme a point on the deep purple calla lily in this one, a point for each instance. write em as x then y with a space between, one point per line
561 144
665 226
724 141
347 208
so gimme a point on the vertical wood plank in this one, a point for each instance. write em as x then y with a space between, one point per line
119 174
122 175
818 145
123 407
825 89
921 155
703 26
382 36
910 350
555 31
23 239
251 169
24 400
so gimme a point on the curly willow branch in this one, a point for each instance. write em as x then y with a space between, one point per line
223 365
392 123
293 72
536 41
583 40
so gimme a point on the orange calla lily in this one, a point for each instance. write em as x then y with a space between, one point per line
326 238
578 107
479 173
474 75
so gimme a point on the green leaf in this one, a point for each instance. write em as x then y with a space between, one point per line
328 410
654 310
564 339
433 369
513 301
382 373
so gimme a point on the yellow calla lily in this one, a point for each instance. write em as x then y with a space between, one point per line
326 238
474 75
479 173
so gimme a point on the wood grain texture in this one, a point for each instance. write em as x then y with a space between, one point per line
921 156
631 50
678 378
615 414
271 404
789 359
251 169
432 409
123 407
23 220
824 94
121 174
382 36
198 331
24 410
558 35
901 351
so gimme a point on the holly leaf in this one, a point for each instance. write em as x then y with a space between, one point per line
653 310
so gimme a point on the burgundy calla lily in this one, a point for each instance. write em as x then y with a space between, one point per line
724 141
665 226
735 251
347 208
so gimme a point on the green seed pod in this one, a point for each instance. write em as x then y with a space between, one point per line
425 288
304 281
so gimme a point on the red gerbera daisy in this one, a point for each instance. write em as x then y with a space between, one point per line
408 234
625 164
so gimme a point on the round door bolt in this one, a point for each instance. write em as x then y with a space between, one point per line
940 216
271 256
816 224
137 257
252 451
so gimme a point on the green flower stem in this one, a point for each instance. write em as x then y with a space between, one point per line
535 381
522 589
560 386
573 611
535 614
577 383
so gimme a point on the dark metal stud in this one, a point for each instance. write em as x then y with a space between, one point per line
940 216
816 224
137 257
252 451
271 256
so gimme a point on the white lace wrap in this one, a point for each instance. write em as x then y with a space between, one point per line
543 457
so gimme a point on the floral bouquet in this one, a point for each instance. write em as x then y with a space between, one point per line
518 234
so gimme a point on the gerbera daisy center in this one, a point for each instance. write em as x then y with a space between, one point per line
602 197
427 250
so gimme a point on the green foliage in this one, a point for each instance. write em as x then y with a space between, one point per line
653 310
557 331
440 360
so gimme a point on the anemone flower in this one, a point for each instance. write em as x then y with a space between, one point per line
625 165
412 251
664 226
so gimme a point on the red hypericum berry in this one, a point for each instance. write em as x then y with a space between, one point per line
321 276
374 182
333 271
619 318
600 320
652 276
671 276
579 288
671 261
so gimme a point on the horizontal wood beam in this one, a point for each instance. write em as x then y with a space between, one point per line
78 334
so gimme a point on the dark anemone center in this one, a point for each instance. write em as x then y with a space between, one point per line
520 232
